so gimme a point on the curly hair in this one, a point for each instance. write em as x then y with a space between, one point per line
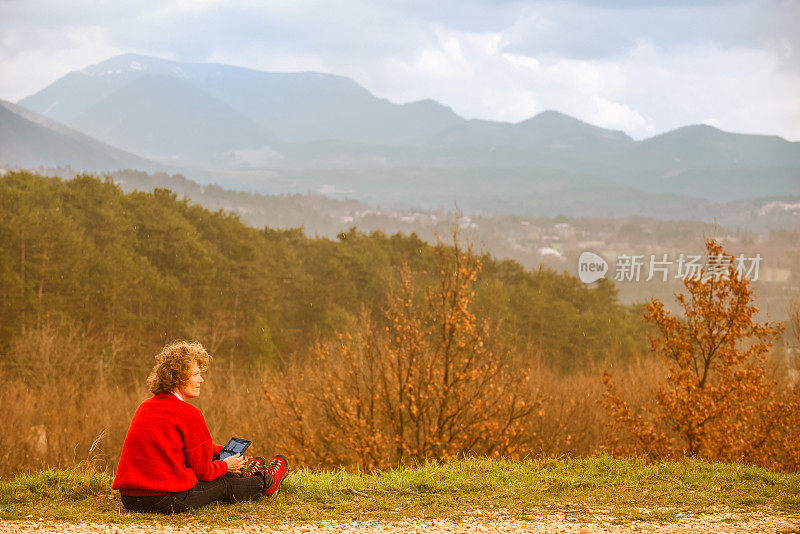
174 366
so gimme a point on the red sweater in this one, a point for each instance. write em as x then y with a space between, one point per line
168 449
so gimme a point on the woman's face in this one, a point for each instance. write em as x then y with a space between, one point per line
191 388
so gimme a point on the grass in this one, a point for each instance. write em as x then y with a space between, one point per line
623 489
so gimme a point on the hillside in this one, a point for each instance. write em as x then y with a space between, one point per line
149 266
767 225
170 120
28 139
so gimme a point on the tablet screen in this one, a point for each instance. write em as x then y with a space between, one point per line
234 446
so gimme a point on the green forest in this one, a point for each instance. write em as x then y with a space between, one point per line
147 268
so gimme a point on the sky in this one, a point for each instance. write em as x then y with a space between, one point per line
644 67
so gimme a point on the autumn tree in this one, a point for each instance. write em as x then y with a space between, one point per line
714 401
429 382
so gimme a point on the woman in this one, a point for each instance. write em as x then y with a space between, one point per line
168 459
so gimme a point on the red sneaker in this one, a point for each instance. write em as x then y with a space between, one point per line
253 465
277 469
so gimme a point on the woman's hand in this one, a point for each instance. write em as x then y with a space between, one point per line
235 463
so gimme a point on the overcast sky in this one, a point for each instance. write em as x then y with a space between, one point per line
644 67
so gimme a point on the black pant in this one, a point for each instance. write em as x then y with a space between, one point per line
227 488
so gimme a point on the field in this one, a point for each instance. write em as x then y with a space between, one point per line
567 495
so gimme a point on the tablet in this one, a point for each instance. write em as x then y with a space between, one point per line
234 446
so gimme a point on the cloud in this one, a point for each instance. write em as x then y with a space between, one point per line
601 30
646 91
745 90
618 116
28 69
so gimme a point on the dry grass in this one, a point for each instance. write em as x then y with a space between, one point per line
54 420
53 423
572 422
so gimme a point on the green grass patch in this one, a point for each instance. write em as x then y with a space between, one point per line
626 489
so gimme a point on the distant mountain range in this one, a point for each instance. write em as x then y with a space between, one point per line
298 132
152 94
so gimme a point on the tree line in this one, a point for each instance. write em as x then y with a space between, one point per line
152 267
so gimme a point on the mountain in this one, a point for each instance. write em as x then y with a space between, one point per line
549 130
71 95
296 107
28 139
168 119
700 145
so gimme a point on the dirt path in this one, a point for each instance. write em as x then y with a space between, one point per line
715 523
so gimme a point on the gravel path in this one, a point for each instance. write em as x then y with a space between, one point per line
720 523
